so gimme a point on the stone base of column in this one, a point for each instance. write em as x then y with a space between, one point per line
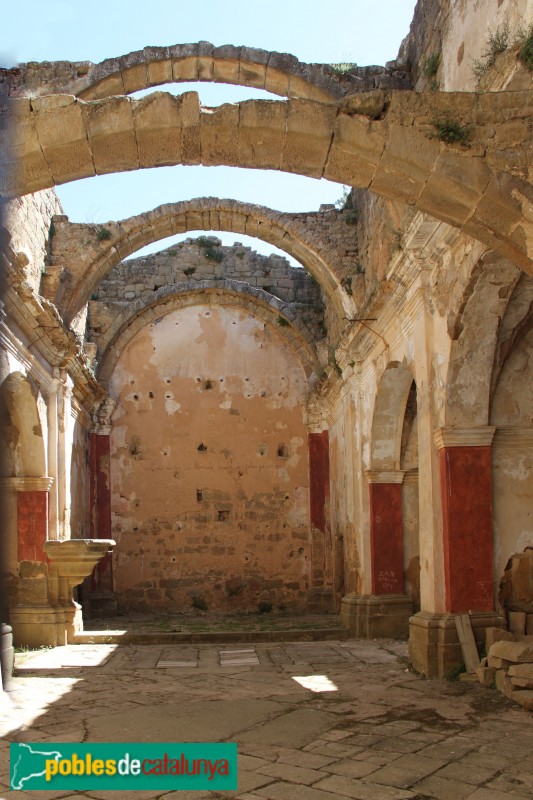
434 647
377 616
36 626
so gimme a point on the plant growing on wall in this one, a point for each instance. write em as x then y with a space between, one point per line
343 67
103 234
452 132
210 250
497 43
526 50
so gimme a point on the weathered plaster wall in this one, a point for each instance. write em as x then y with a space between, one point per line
209 465
28 220
512 412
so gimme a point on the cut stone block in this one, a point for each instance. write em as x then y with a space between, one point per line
517 652
504 684
496 635
523 698
486 675
521 671
498 663
517 622
522 683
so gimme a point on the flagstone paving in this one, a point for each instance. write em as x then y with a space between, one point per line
313 720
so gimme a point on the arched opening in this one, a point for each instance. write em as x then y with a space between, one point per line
25 488
393 500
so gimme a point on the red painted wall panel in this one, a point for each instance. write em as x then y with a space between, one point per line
466 487
386 538
319 478
32 524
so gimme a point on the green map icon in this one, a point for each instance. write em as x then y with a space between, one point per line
30 763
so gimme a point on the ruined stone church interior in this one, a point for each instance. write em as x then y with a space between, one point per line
347 430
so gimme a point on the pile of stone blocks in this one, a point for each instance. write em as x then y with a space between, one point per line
509 665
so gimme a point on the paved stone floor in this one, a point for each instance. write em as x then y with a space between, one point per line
313 720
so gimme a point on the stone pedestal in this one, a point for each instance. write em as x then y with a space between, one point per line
434 647
376 616
38 626
58 621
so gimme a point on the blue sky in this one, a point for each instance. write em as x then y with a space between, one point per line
336 31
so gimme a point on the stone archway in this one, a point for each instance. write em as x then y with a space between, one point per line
393 450
382 143
95 258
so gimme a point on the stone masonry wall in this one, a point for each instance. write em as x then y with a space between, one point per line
29 219
139 282
209 465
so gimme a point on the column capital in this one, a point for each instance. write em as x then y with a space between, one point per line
385 476
27 484
480 436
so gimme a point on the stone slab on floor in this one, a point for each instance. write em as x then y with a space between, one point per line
379 732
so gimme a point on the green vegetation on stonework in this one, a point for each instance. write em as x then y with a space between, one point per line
343 68
526 50
103 234
497 43
452 132
431 67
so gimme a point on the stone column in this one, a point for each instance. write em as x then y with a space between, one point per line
386 611
386 531
466 547
53 514
32 515
101 595
321 595
33 620
466 492
64 454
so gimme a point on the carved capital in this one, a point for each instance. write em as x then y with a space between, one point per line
43 484
385 476
464 437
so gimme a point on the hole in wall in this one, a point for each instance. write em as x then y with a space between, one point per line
283 451
222 516
201 448
208 385
199 495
